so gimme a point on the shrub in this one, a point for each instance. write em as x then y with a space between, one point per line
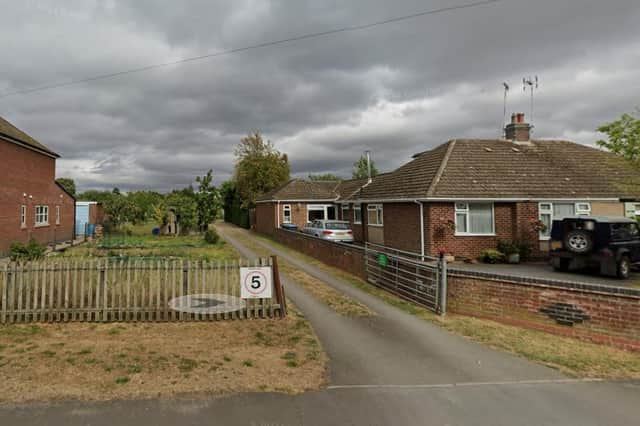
211 236
21 253
508 247
491 256
524 248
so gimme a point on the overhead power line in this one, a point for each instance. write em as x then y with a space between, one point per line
346 29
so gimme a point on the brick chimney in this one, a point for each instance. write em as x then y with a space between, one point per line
518 130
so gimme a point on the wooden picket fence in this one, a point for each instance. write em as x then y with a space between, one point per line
138 290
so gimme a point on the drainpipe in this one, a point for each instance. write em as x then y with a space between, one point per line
278 215
421 228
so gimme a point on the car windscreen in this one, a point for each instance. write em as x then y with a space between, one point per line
336 225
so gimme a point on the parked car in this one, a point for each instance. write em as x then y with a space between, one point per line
610 243
333 230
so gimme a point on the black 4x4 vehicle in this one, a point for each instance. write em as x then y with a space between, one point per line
611 243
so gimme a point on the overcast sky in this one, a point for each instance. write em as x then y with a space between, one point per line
395 89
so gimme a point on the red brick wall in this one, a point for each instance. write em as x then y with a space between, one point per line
612 319
27 172
402 226
342 256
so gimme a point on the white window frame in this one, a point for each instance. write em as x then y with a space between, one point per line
357 208
23 216
286 209
343 215
57 215
42 215
546 208
379 209
464 208
318 207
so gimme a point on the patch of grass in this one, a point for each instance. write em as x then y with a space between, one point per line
186 365
289 355
134 369
84 352
48 354
123 380
227 358
292 363
247 363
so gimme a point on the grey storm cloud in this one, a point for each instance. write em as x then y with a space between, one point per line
396 89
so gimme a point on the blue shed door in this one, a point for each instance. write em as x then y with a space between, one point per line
82 218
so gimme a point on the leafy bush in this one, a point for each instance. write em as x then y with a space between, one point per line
524 248
508 247
491 256
22 253
211 236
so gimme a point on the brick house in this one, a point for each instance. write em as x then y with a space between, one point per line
466 195
299 201
32 204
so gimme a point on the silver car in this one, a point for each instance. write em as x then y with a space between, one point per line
332 230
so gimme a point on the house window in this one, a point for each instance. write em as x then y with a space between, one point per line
374 215
321 212
548 212
286 213
474 219
57 215
357 213
345 212
42 215
23 216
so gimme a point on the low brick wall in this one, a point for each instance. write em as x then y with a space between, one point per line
595 313
347 257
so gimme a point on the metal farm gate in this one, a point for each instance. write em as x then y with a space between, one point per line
418 279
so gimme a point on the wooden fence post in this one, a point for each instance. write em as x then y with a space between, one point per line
280 296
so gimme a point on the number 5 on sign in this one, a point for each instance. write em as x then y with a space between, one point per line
255 283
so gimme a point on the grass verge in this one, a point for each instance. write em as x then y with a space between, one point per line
150 360
337 301
573 357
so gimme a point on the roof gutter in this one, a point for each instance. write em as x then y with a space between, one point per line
476 199
29 147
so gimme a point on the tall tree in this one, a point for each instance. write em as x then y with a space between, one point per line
360 168
68 184
259 168
623 137
325 177
208 200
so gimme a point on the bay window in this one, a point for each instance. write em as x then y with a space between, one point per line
474 219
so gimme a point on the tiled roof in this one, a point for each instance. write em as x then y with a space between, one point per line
494 168
298 189
12 132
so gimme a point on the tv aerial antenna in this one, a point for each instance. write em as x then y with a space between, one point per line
504 108
532 84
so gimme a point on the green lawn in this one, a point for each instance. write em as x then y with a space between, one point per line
141 244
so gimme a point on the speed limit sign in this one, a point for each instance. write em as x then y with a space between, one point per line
255 283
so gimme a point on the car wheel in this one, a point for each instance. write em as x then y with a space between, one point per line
579 241
624 268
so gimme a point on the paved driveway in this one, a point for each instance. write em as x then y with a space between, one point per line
544 270
388 369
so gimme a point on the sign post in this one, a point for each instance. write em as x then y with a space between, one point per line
256 282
